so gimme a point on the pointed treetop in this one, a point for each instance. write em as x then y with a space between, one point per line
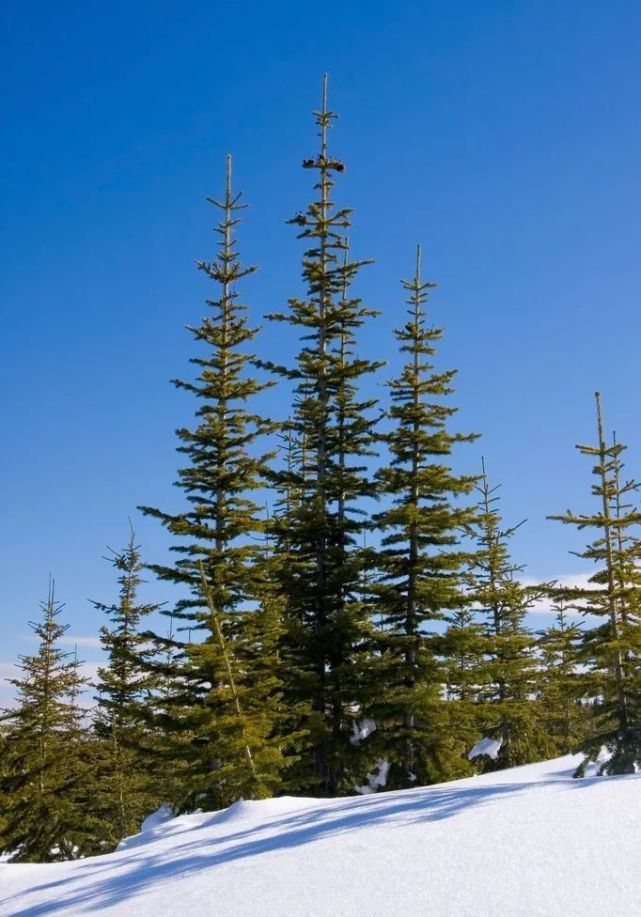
324 119
599 419
228 178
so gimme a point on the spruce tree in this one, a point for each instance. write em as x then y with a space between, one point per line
327 626
509 713
43 764
422 558
129 782
612 648
219 564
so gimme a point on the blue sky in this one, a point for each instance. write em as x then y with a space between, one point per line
504 136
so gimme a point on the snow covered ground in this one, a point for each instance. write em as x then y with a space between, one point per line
530 841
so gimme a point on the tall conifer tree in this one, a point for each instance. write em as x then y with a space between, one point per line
612 649
219 564
422 559
327 622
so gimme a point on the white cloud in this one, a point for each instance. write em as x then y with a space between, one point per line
88 670
570 580
89 642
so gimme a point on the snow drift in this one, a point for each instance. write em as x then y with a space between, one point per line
528 841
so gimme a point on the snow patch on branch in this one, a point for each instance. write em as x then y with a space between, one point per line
489 747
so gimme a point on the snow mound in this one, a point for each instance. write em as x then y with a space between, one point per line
530 841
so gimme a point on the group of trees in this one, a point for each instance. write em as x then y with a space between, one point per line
369 625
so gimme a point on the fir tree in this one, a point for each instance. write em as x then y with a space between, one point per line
129 781
219 562
422 560
327 623
564 717
510 712
463 650
612 649
43 770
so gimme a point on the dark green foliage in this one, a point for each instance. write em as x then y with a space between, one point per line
612 648
421 560
220 561
44 770
318 536
129 782
509 711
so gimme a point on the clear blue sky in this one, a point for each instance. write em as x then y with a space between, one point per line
505 136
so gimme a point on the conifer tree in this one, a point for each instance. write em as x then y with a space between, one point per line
129 781
327 623
562 684
43 769
612 649
422 560
462 650
219 564
510 713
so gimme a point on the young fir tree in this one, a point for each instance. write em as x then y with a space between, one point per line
219 563
612 648
510 713
565 719
422 559
463 652
43 768
129 783
327 623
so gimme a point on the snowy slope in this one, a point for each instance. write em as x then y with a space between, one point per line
530 841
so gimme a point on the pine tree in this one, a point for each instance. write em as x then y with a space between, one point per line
612 649
43 769
422 559
510 713
327 623
129 782
219 563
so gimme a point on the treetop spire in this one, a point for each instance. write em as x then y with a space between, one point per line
228 174
599 418
324 119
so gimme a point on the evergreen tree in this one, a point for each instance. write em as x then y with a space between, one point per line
422 560
564 717
320 535
510 712
129 782
219 564
612 649
43 768
463 650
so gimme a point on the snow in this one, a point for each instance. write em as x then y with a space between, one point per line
361 731
376 779
528 841
489 747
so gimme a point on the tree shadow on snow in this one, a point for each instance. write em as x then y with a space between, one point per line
135 872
